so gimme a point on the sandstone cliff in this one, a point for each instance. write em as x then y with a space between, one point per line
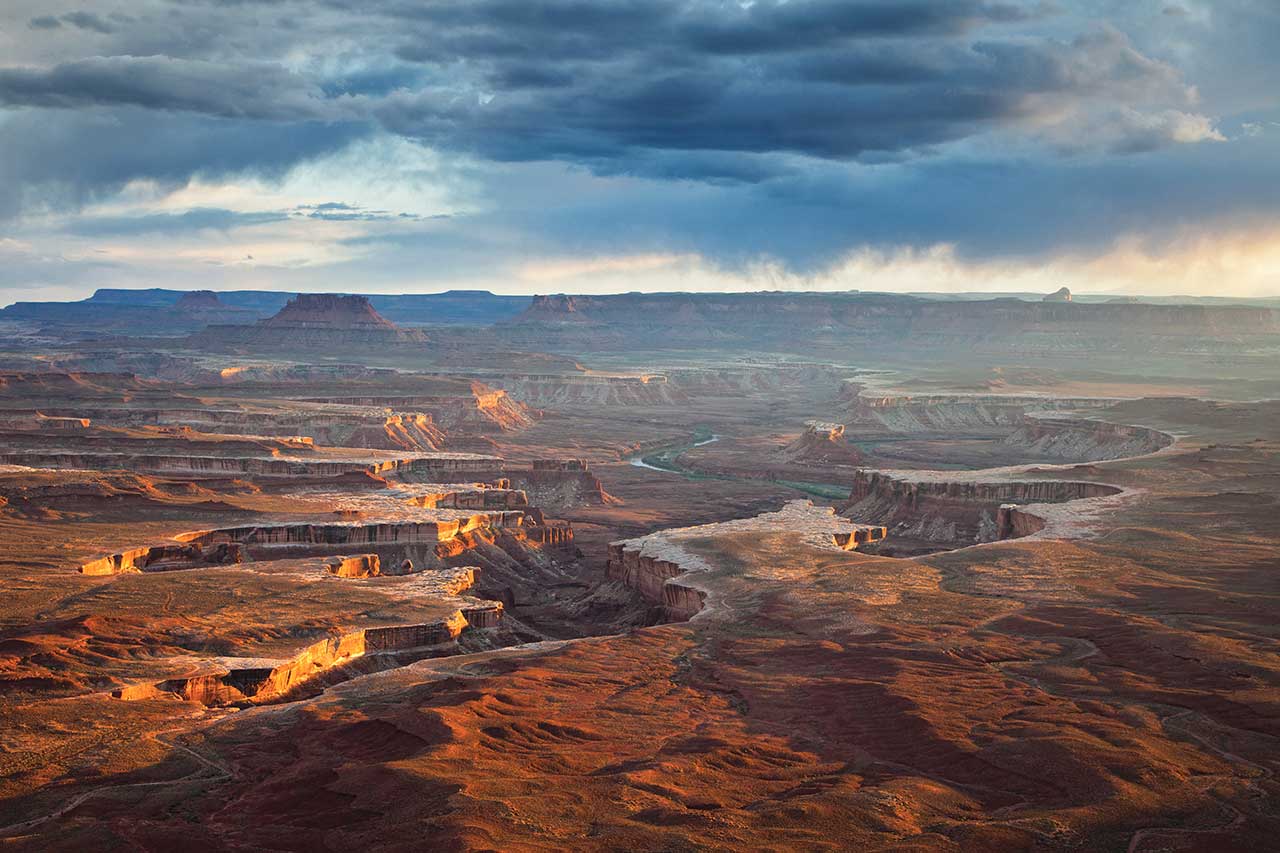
804 321
663 567
312 321
952 509
822 444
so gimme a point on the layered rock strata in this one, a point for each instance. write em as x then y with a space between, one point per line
950 413
437 465
661 568
39 422
886 322
589 390
484 409
160 558
228 680
950 509
1094 440
822 444
312 321
448 535
559 483
358 566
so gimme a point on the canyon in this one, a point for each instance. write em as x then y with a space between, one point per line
645 572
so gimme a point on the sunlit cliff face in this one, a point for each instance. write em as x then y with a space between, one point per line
647 144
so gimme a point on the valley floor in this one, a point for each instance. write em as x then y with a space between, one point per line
464 619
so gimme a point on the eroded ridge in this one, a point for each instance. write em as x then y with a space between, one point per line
464 464
443 534
954 508
225 680
659 565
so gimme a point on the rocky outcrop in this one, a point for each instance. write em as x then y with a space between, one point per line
39 422
559 483
1013 522
950 413
899 488
441 466
335 426
309 321
45 384
359 566
483 498
1036 425
401 545
952 511
484 409
200 300
398 431
226 681
766 377
1062 294
163 558
882 322
822 444
1086 440
486 614
652 578
357 533
662 569
590 390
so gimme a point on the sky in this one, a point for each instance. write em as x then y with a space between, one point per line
591 146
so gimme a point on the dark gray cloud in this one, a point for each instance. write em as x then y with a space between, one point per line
796 130
614 86
81 20
198 219
668 88
89 21
246 90
67 158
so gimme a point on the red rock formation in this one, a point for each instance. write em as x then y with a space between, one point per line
330 311
483 409
163 558
232 680
359 566
652 578
313 321
441 467
559 483
1091 440
1014 523
957 512
822 444
36 421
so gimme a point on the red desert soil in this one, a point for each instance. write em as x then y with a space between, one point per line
1107 682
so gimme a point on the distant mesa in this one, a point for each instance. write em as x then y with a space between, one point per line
837 324
200 300
329 311
313 321
557 308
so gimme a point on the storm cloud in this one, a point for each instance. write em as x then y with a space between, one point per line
814 127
